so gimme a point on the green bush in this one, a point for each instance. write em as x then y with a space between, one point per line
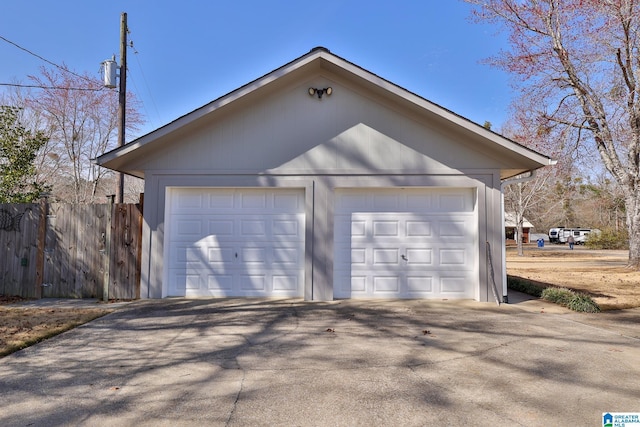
583 303
524 286
570 299
560 296
608 239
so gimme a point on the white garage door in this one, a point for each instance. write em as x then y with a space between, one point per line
406 243
234 242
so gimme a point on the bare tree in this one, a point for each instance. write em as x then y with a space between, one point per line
80 118
580 59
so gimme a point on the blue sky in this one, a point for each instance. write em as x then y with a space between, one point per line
192 52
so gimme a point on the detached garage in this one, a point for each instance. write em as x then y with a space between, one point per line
322 180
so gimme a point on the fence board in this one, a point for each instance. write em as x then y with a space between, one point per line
76 262
18 243
43 211
126 229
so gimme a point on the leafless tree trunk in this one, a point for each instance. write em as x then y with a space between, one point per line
581 60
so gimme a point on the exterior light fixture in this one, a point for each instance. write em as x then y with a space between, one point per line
320 92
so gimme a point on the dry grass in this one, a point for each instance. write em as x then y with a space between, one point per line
600 273
21 327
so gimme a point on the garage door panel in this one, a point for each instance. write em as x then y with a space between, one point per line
286 228
385 228
453 229
254 283
454 285
186 281
435 200
285 283
253 255
419 284
216 255
220 199
455 257
403 252
187 228
186 201
358 228
220 282
385 256
290 202
408 257
385 201
358 256
420 256
253 228
453 203
186 254
220 227
419 202
358 284
286 257
418 229
256 200
235 242
386 284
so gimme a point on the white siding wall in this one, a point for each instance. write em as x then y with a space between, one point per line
296 133
293 140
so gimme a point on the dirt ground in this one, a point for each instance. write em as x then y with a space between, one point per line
21 327
599 273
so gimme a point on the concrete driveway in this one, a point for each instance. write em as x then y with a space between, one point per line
243 362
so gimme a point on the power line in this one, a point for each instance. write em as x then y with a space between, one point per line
51 87
43 59
144 80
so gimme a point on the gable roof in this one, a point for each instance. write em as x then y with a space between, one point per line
510 220
319 60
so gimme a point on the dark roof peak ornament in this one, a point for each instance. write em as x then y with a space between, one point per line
322 48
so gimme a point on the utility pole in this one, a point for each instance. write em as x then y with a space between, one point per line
122 99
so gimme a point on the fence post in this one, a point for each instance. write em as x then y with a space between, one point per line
107 253
140 215
42 239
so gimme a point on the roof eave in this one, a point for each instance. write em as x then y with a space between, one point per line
332 62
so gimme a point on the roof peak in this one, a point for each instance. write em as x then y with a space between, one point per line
322 48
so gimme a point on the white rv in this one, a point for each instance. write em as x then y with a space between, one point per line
561 234
554 234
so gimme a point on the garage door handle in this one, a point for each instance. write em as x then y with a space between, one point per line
404 257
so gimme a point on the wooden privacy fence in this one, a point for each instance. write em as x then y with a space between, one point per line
70 251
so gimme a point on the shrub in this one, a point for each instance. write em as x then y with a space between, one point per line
570 299
560 296
608 239
583 303
524 286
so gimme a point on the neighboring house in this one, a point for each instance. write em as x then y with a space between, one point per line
322 180
511 227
